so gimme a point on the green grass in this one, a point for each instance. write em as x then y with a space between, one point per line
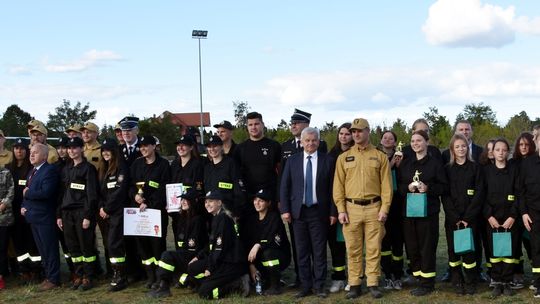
135 294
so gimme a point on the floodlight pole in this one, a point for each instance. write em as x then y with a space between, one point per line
197 34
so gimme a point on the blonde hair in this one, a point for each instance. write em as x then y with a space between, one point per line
455 138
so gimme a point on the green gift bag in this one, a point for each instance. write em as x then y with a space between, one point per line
502 244
394 180
463 241
339 232
416 205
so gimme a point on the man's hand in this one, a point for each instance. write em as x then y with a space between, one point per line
527 221
333 220
85 224
24 191
382 216
23 211
343 218
286 217
59 224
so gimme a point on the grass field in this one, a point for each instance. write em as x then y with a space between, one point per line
15 293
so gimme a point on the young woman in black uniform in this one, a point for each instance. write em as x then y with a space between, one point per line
222 266
523 148
222 174
462 205
501 211
153 172
114 185
337 248
192 237
188 170
422 233
270 251
392 243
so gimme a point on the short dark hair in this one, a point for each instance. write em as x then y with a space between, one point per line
254 115
463 121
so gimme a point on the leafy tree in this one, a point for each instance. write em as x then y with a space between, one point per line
486 131
477 114
107 131
164 129
65 115
14 120
402 131
241 108
516 125
239 135
283 125
441 131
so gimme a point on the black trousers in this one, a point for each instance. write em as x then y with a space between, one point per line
151 248
502 268
392 246
463 267
115 238
25 247
175 221
46 237
310 242
103 225
421 237
526 241
338 253
535 245
80 242
482 244
175 262
222 281
272 260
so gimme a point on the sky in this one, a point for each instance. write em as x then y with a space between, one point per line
338 60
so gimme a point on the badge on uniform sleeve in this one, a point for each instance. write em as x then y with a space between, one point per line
349 158
22 182
77 186
111 185
277 239
191 243
511 198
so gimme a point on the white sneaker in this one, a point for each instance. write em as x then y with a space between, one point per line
348 287
337 285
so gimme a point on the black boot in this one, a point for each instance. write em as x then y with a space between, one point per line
354 292
119 280
162 291
150 276
275 286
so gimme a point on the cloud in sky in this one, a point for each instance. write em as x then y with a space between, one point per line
471 23
19 70
89 59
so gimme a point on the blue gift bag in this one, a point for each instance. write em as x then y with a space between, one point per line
339 232
463 241
502 244
416 205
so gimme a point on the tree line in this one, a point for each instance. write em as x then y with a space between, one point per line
482 117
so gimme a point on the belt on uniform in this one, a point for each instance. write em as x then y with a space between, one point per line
364 202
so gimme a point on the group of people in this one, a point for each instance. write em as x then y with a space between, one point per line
365 202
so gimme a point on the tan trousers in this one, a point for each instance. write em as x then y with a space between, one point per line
363 226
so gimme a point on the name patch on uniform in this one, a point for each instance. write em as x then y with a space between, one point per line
349 158
153 184
111 185
77 186
223 185
511 198
470 191
22 182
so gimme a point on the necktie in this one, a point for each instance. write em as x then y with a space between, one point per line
130 150
298 146
308 189
30 177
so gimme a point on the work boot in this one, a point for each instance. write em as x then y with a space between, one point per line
150 276
119 280
76 282
86 284
162 291
354 292
275 285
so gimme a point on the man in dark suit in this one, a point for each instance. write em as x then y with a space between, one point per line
39 209
464 127
306 201
299 121
130 130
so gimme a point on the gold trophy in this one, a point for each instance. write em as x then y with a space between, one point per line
416 179
399 149
140 186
